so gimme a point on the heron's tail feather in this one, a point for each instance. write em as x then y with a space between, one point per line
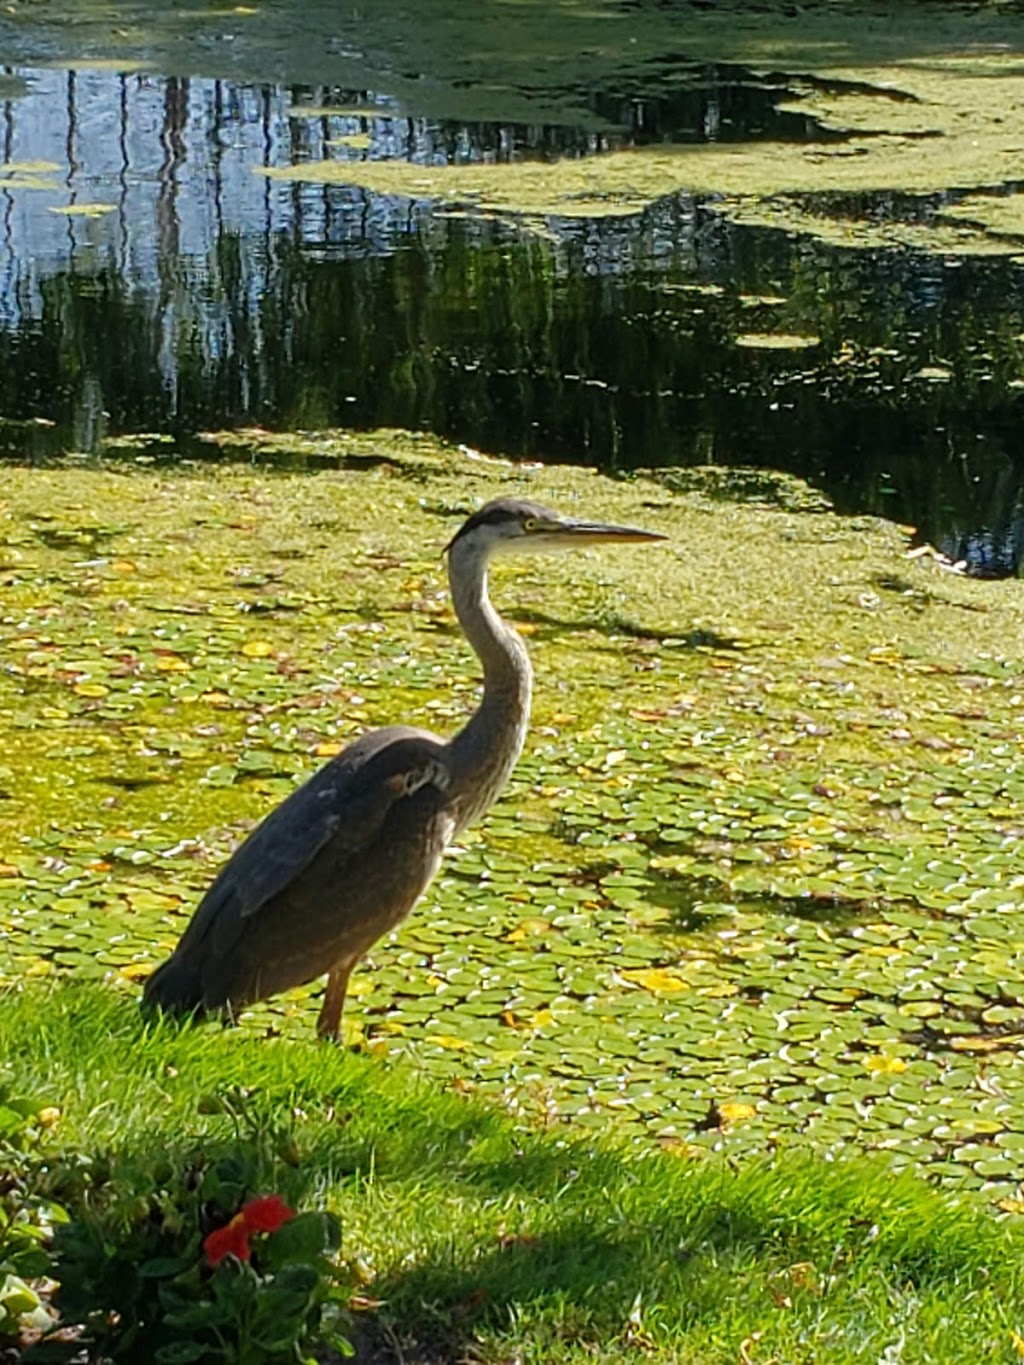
174 988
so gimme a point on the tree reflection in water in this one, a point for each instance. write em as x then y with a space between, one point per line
198 294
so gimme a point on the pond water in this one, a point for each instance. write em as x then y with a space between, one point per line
152 279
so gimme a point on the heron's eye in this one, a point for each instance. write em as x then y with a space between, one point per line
531 524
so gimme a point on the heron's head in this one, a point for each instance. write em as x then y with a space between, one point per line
507 525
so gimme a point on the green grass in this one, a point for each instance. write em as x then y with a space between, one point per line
489 1243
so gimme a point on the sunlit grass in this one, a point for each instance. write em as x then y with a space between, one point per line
482 1239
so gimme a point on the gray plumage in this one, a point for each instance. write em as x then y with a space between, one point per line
346 856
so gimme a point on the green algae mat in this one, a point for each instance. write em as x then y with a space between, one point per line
912 108
756 882
920 104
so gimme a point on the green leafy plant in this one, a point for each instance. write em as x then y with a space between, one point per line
26 1218
177 1257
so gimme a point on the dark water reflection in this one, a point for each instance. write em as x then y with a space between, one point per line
209 296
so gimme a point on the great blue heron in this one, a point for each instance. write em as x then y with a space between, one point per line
346 856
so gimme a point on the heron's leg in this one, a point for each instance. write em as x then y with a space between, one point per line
329 1023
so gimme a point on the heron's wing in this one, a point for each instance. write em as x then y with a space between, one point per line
345 802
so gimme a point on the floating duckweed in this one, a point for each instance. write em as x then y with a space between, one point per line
735 888
777 341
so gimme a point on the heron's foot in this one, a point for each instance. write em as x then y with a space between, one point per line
329 1030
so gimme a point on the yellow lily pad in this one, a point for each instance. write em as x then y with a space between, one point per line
659 980
83 210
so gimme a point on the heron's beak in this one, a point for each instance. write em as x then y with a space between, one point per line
592 532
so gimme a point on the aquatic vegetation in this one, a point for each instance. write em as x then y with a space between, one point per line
755 881
922 125
1002 216
777 341
83 210
28 175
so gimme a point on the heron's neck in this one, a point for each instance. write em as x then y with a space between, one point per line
484 752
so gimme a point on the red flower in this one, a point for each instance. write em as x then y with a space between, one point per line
267 1213
231 1240
264 1214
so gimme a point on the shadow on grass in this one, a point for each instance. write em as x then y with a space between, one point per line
584 1280
595 1280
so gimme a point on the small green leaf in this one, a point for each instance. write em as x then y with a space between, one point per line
179 1353
16 1297
162 1267
303 1239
